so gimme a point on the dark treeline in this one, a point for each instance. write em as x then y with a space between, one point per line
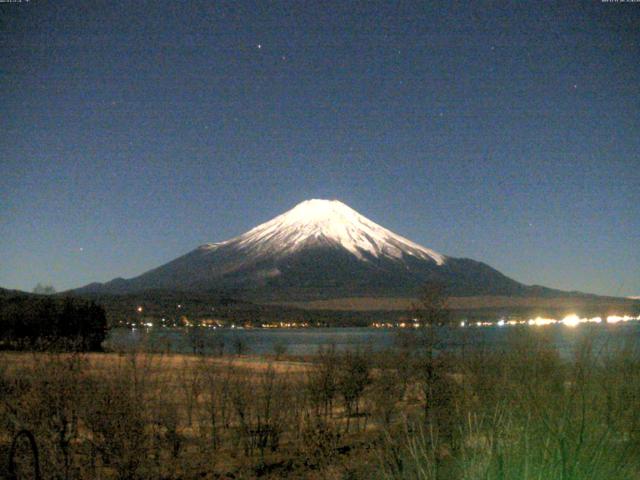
194 306
230 307
29 321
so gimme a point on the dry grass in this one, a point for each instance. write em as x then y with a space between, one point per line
18 361
523 413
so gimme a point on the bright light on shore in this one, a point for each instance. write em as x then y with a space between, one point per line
571 320
539 321
617 318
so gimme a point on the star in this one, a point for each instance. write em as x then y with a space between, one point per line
259 46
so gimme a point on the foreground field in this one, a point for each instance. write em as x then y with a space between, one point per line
518 414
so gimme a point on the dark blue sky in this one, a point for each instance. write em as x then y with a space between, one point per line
507 132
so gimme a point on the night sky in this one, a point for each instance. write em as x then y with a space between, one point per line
134 131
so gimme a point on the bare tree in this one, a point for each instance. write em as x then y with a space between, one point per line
353 377
322 382
216 385
432 313
431 310
190 381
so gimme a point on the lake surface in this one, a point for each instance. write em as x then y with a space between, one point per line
305 341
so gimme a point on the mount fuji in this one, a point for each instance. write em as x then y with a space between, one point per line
320 249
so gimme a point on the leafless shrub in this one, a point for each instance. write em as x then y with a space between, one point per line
386 391
319 442
353 377
117 417
217 408
196 337
322 382
279 349
261 409
189 378
240 346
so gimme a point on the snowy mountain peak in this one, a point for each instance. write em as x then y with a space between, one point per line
320 214
327 222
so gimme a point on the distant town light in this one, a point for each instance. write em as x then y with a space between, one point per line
571 320
618 318
538 321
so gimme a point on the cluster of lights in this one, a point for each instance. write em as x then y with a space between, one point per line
382 325
285 325
569 321
625 318
142 324
413 324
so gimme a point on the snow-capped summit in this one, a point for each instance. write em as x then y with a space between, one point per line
327 222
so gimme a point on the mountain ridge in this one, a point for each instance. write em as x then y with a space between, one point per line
317 250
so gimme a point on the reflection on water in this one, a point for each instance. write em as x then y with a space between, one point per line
309 340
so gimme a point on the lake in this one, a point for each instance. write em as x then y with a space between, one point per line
305 341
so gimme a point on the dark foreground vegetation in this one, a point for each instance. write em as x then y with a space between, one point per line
519 414
37 322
